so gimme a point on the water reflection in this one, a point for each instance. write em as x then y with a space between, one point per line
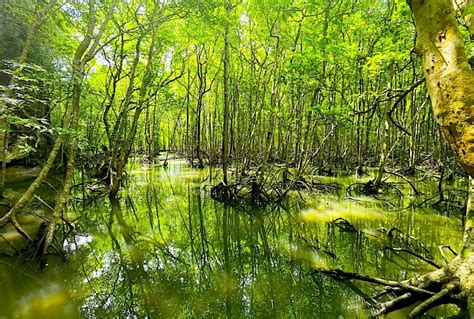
168 250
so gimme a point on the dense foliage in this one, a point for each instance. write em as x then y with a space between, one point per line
278 95
334 83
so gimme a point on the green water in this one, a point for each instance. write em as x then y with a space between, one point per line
168 250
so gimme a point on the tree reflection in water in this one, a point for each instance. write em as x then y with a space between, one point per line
166 249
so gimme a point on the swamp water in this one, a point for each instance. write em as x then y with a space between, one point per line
168 250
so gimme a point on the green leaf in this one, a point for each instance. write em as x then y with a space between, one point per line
469 10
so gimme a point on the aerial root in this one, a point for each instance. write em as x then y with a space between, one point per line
19 228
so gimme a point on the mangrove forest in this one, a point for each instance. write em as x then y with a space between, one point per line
237 159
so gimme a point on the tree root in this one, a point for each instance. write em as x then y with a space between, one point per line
441 250
451 284
432 301
342 275
399 237
300 183
251 192
408 251
371 188
415 190
344 225
224 193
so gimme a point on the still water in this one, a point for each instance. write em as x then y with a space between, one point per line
168 250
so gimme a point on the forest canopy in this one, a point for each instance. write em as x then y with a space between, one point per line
278 102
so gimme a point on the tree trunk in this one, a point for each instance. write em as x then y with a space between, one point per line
84 53
225 131
449 77
450 82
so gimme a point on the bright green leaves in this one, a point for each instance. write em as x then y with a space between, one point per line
469 10
27 85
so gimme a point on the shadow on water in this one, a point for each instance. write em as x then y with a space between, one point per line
168 250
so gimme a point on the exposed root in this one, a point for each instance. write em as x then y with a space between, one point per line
399 238
300 183
442 248
250 191
91 191
342 275
432 301
344 225
427 260
451 284
224 193
148 160
413 187
371 188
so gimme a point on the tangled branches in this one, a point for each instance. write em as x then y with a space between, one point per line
253 191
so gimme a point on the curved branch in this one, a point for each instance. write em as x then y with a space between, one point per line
400 98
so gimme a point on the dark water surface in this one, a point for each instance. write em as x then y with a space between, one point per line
169 250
